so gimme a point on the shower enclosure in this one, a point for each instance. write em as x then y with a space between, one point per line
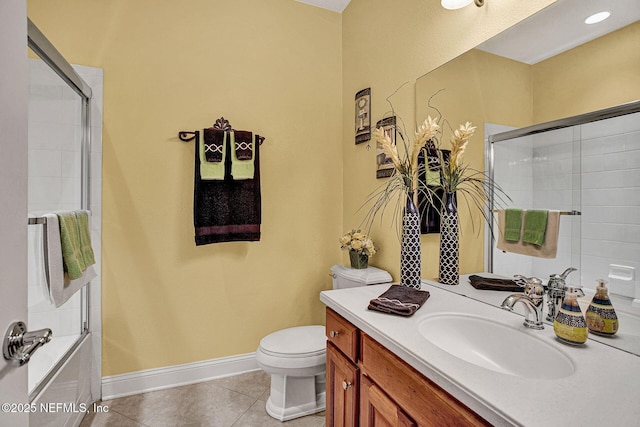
587 167
64 174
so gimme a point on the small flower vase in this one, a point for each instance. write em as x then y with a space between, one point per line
410 268
449 271
358 260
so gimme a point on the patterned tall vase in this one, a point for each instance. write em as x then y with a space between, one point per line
449 271
410 250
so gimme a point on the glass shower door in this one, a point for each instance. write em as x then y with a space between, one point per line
56 181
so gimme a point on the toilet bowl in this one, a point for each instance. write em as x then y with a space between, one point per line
295 358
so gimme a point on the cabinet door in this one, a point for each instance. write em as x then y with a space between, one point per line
378 410
342 390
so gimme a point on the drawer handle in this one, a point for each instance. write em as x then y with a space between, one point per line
346 385
334 334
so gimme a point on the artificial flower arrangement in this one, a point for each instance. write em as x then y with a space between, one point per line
358 242
455 175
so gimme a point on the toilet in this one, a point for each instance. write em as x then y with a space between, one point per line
295 358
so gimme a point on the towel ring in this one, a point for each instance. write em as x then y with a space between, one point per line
220 124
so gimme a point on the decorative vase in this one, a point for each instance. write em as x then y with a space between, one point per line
410 268
358 260
449 271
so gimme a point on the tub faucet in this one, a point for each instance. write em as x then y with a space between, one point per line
532 299
556 290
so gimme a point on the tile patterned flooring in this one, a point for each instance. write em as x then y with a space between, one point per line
237 401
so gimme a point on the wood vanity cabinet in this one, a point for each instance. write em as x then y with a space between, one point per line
367 385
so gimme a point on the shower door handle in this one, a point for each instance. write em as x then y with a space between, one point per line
19 344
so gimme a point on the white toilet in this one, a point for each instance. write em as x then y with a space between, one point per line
296 357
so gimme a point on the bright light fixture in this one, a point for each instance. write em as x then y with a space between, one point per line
455 4
596 17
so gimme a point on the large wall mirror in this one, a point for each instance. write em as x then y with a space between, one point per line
547 68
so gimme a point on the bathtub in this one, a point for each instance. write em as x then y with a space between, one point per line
46 357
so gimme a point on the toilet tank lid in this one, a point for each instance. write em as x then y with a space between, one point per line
366 276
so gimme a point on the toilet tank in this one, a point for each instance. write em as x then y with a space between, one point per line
345 277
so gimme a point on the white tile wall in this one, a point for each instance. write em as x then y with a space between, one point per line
611 202
595 169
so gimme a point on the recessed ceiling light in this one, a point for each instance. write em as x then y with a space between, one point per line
597 17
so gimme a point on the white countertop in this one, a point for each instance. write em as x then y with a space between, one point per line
602 390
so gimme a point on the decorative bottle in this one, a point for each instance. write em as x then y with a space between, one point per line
569 324
601 317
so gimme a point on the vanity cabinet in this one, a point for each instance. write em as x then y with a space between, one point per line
367 385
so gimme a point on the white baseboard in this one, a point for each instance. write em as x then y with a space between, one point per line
172 376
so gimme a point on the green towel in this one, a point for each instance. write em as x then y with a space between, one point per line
432 177
241 169
72 258
212 170
85 238
535 226
512 224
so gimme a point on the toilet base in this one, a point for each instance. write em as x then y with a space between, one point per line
294 397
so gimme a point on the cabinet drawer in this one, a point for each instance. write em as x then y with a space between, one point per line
342 334
422 399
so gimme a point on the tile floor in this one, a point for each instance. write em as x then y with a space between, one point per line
237 401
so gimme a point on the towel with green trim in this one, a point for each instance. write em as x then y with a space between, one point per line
213 150
242 148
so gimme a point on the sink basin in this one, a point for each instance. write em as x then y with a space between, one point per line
492 345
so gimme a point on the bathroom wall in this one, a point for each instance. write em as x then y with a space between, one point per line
271 67
383 48
590 77
284 69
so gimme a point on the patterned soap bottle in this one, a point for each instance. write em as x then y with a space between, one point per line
569 324
601 317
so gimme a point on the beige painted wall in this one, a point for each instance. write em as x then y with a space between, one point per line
596 75
384 48
283 69
273 67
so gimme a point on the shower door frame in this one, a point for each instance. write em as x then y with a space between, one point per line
607 113
42 47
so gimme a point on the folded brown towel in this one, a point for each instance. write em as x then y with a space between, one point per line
493 284
213 140
243 145
398 299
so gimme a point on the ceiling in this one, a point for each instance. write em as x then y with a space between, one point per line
560 27
555 29
335 5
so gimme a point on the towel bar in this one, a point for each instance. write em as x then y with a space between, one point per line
221 124
572 213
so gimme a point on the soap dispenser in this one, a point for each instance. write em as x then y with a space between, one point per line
601 317
569 324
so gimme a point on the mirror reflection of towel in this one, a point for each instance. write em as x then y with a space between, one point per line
549 247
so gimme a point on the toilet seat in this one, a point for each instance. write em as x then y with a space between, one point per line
294 351
301 341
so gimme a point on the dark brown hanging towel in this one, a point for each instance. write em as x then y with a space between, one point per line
226 210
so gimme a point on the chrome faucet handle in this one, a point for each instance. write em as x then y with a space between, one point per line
534 289
568 271
521 280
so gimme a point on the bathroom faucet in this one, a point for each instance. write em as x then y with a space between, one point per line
556 290
532 299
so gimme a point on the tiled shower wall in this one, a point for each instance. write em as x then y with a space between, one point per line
595 169
611 204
